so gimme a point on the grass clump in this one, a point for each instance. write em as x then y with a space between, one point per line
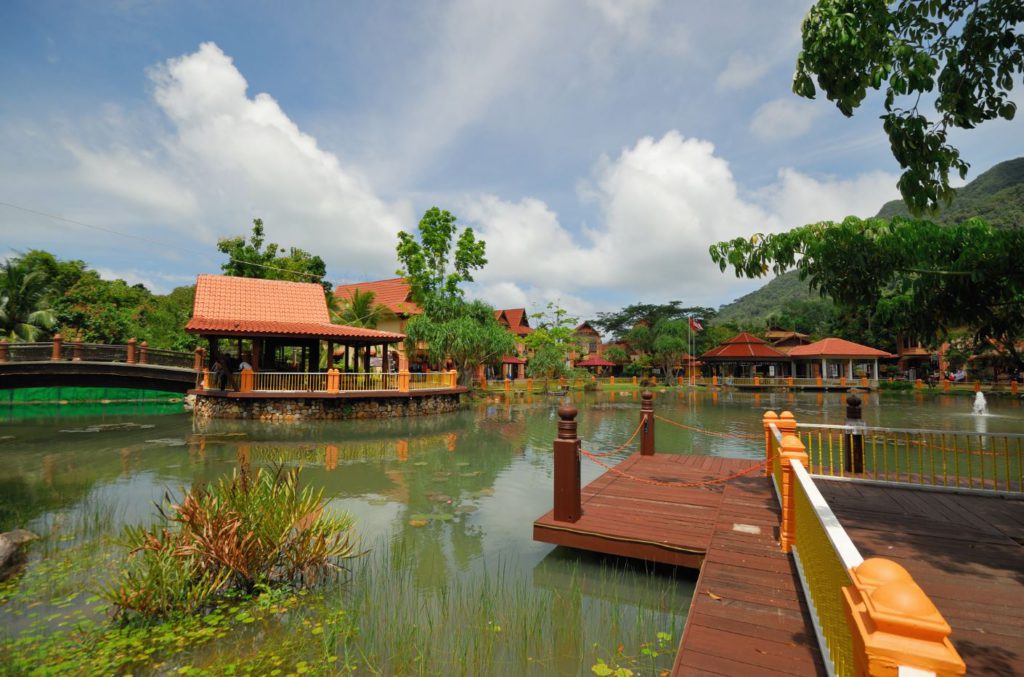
244 532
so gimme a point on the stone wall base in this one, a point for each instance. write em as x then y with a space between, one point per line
322 409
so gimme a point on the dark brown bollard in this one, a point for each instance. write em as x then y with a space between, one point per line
3 351
55 355
854 436
131 351
647 421
568 506
144 352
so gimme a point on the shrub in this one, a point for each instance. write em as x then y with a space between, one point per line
242 532
895 385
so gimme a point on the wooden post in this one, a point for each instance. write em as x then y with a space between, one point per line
789 381
854 437
1013 387
403 381
977 386
55 355
647 420
144 352
714 380
679 380
131 351
945 384
77 352
757 380
818 380
206 379
766 421
454 378
197 363
568 506
4 355
529 385
792 450
333 380
246 381
894 625
611 380
508 385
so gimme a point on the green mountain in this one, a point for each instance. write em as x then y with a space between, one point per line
996 196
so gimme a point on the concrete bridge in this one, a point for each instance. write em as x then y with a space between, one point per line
133 365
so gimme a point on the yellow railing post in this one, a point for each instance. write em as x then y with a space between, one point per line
529 385
895 625
766 420
634 380
714 380
403 381
508 385
611 380
818 381
206 379
789 381
792 450
757 380
453 378
333 380
245 381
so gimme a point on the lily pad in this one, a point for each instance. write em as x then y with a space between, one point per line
466 508
418 523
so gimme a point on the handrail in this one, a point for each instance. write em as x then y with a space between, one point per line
846 428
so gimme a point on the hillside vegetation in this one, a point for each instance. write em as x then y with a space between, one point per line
997 196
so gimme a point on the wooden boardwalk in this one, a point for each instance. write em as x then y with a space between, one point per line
748 614
965 550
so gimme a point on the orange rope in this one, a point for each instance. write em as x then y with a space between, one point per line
617 449
708 432
644 480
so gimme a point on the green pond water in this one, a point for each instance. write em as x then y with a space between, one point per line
452 581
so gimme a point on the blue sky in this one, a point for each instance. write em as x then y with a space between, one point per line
597 146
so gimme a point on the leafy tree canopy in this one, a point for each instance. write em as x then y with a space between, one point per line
963 55
251 259
434 268
25 314
913 276
620 323
552 339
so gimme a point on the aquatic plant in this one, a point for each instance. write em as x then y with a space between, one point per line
242 532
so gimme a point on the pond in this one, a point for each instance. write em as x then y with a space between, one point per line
451 580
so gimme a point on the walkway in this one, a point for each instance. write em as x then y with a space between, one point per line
745 617
965 550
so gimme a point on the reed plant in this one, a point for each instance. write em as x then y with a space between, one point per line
244 531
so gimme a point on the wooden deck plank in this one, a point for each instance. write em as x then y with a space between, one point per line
964 550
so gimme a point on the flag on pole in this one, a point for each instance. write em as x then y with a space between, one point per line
694 324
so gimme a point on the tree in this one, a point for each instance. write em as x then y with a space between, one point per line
964 54
464 331
359 310
252 260
550 343
671 339
433 272
913 276
451 327
616 354
24 313
622 322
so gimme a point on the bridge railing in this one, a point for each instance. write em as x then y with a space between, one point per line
334 381
935 458
869 616
59 350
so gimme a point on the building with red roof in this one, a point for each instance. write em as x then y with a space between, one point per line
836 358
273 323
395 297
746 355
517 322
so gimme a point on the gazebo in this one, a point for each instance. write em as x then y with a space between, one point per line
513 367
745 356
278 326
596 363
835 358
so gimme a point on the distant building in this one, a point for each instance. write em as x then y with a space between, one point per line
784 341
517 322
395 296
746 356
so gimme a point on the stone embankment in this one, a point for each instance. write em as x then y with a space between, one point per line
320 409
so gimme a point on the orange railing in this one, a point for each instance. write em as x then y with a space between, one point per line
870 616
333 381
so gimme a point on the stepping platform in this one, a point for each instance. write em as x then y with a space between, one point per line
748 615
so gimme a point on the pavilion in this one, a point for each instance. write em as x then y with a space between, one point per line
745 356
836 358
280 326
596 363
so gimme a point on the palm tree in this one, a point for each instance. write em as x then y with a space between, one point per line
23 312
359 310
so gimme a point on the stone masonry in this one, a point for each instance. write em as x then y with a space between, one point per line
319 409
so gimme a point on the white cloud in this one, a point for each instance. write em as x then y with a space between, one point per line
797 199
742 71
784 119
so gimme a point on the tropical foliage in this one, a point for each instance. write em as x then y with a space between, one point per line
359 310
550 343
25 314
251 259
962 55
450 327
913 276
244 532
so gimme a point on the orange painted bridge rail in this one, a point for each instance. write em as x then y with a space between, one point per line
808 573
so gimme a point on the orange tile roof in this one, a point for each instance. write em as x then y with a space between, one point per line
743 347
837 347
515 319
254 307
594 361
394 294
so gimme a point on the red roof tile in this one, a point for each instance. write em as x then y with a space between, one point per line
253 307
515 319
836 347
593 360
394 294
508 359
744 347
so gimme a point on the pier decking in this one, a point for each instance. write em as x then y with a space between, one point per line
748 614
